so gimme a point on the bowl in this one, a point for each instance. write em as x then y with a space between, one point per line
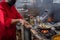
56 37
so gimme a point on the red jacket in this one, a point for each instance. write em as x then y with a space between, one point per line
9 13
1 25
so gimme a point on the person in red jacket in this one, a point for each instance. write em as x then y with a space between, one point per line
11 17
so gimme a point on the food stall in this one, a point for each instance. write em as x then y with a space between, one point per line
40 30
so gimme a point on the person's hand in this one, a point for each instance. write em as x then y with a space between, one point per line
22 21
25 23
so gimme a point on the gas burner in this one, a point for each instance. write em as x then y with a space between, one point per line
46 33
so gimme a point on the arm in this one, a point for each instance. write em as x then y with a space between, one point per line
8 21
23 21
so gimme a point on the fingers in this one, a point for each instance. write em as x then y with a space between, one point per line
27 26
25 23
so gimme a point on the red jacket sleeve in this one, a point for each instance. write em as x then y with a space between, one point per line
8 19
